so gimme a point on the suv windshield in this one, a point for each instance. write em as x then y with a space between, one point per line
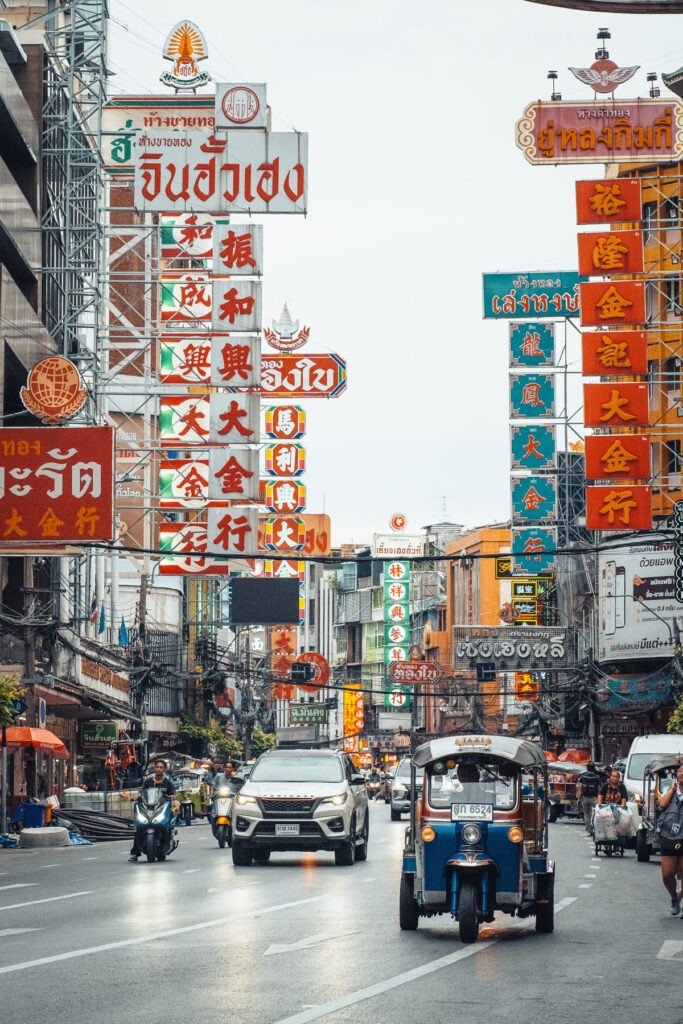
403 771
290 768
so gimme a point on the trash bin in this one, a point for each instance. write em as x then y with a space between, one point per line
33 815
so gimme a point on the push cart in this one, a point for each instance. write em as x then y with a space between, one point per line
611 847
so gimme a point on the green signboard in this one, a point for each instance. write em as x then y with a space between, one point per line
307 713
99 734
398 698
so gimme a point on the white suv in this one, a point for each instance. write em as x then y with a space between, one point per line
301 800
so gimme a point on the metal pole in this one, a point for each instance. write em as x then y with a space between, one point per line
3 783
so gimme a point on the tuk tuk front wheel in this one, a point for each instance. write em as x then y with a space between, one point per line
408 914
545 912
468 917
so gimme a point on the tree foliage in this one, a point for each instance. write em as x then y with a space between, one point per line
261 741
675 723
9 692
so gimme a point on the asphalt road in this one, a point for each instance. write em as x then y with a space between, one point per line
85 936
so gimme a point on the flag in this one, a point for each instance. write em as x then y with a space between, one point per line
93 609
100 628
123 633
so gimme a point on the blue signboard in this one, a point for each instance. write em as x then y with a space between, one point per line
532 447
534 549
633 692
534 499
553 294
532 344
532 396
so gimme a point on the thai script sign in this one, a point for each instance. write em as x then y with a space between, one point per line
512 648
307 713
602 132
531 295
240 172
309 376
415 672
397 546
125 118
56 484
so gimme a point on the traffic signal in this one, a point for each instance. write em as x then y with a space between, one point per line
302 672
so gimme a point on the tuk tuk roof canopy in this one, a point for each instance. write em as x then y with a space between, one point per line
523 752
660 764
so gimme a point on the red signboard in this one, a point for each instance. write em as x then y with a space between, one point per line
614 353
620 456
56 484
619 507
607 131
415 672
616 405
602 253
322 670
303 376
608 201
610 303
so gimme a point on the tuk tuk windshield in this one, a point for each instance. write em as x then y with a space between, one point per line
467 782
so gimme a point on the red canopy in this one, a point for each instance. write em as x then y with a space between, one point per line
19 736
577 756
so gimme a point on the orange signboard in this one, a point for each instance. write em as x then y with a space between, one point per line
623 456
603 253
608 303
615 405
608 200
527 686
619 507
614 353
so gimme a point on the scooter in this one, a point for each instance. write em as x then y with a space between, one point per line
155 832
221 815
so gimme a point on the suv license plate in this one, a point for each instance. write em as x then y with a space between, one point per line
472 812
286 830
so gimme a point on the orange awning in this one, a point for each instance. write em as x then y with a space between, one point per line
20 736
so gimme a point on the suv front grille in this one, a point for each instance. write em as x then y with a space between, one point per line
273 808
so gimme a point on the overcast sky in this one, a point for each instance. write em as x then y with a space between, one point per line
416 188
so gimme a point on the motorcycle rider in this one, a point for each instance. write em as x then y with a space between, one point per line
158 780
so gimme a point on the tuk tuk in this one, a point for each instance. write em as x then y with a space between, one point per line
477 839
659 776
189 783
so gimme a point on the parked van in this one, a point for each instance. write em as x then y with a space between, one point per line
643 750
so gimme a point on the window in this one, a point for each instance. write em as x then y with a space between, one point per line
672 290
672 211
672 455
650 222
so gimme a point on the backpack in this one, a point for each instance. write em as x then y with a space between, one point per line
590 784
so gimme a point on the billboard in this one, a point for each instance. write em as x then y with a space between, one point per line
636 600
264 602
513 648
531 294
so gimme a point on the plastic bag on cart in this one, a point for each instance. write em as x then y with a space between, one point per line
624 822
604 825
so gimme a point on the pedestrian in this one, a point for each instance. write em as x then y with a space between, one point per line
614 791
670 829
158 780
587 792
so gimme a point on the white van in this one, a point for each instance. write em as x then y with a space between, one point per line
643 750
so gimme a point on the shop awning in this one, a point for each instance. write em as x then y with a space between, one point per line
69 699
636 692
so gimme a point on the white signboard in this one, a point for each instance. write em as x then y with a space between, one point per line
237 171
636 591
241 106
394 545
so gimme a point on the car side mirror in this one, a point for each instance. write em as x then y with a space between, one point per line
237 783
357 780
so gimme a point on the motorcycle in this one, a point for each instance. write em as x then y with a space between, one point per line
373 786
155 832
221 815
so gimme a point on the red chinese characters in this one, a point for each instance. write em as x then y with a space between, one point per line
615 405
619 507
286 422
619 456
56 484
605 304
609 200
614 353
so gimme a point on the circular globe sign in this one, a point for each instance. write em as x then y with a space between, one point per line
322 671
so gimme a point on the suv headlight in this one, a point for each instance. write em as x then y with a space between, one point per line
338 799
399 792
243 799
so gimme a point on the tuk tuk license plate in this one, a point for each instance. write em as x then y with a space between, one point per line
471 812
286 830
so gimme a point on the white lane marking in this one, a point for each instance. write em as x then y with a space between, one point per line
91 858
324 1009
669 950
590 876
18 931
286 906
43 866
191 871
17 885
51 899
586 885
75 953
311 940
